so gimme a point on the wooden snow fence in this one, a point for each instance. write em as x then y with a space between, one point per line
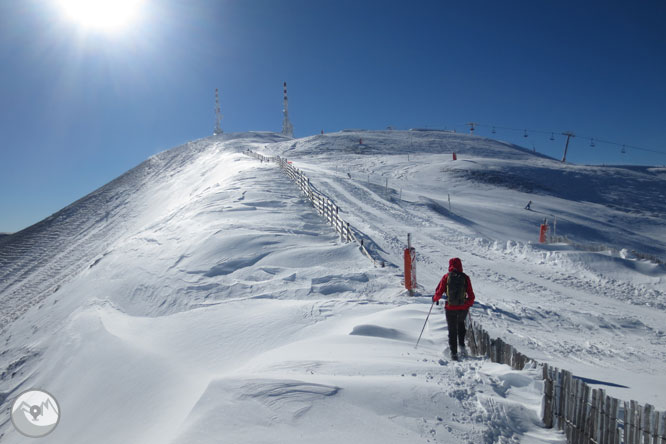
588 415
328 209
584 414
480 344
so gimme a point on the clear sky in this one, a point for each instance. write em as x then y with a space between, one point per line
81 104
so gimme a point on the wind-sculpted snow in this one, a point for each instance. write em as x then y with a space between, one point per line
380 332
37 261
200 298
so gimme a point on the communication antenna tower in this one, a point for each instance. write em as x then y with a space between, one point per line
287 127
218 115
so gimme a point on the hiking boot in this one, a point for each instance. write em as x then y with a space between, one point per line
454 356
463 351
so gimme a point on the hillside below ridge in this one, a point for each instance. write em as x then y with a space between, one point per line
631 195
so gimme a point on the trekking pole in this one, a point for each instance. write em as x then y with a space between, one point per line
424 324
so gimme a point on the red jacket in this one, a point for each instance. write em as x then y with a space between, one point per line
455 264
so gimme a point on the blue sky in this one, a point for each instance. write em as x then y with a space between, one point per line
81 107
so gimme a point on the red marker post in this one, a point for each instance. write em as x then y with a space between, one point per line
542 232
410 266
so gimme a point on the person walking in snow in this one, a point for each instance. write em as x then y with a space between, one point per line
459 298
529 205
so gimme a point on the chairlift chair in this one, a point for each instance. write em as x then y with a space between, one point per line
552 136
592 142
525 135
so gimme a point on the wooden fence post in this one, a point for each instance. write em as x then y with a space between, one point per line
578 413
647 424
656 422
568 405
634 424
586 415
639 423
607 422
547 413
615 431
627 423
580 410
592 419
558 395
565 399
599 428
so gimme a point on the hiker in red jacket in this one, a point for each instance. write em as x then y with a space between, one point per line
459 298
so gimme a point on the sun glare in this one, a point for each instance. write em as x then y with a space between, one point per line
106 15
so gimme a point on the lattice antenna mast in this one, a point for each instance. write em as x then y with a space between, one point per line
287 127
218 115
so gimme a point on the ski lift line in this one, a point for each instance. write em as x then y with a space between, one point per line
633 147
593 140
523 130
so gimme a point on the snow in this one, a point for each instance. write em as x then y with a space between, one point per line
200 298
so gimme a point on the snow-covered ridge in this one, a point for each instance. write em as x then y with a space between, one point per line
203 283
37 261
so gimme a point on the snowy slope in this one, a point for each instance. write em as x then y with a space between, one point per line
199 297
591 307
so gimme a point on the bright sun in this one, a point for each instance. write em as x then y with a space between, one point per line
105 15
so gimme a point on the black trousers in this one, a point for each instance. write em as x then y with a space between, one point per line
456 322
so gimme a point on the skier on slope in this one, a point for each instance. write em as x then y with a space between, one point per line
459 299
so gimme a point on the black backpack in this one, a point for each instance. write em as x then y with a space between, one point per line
456 288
